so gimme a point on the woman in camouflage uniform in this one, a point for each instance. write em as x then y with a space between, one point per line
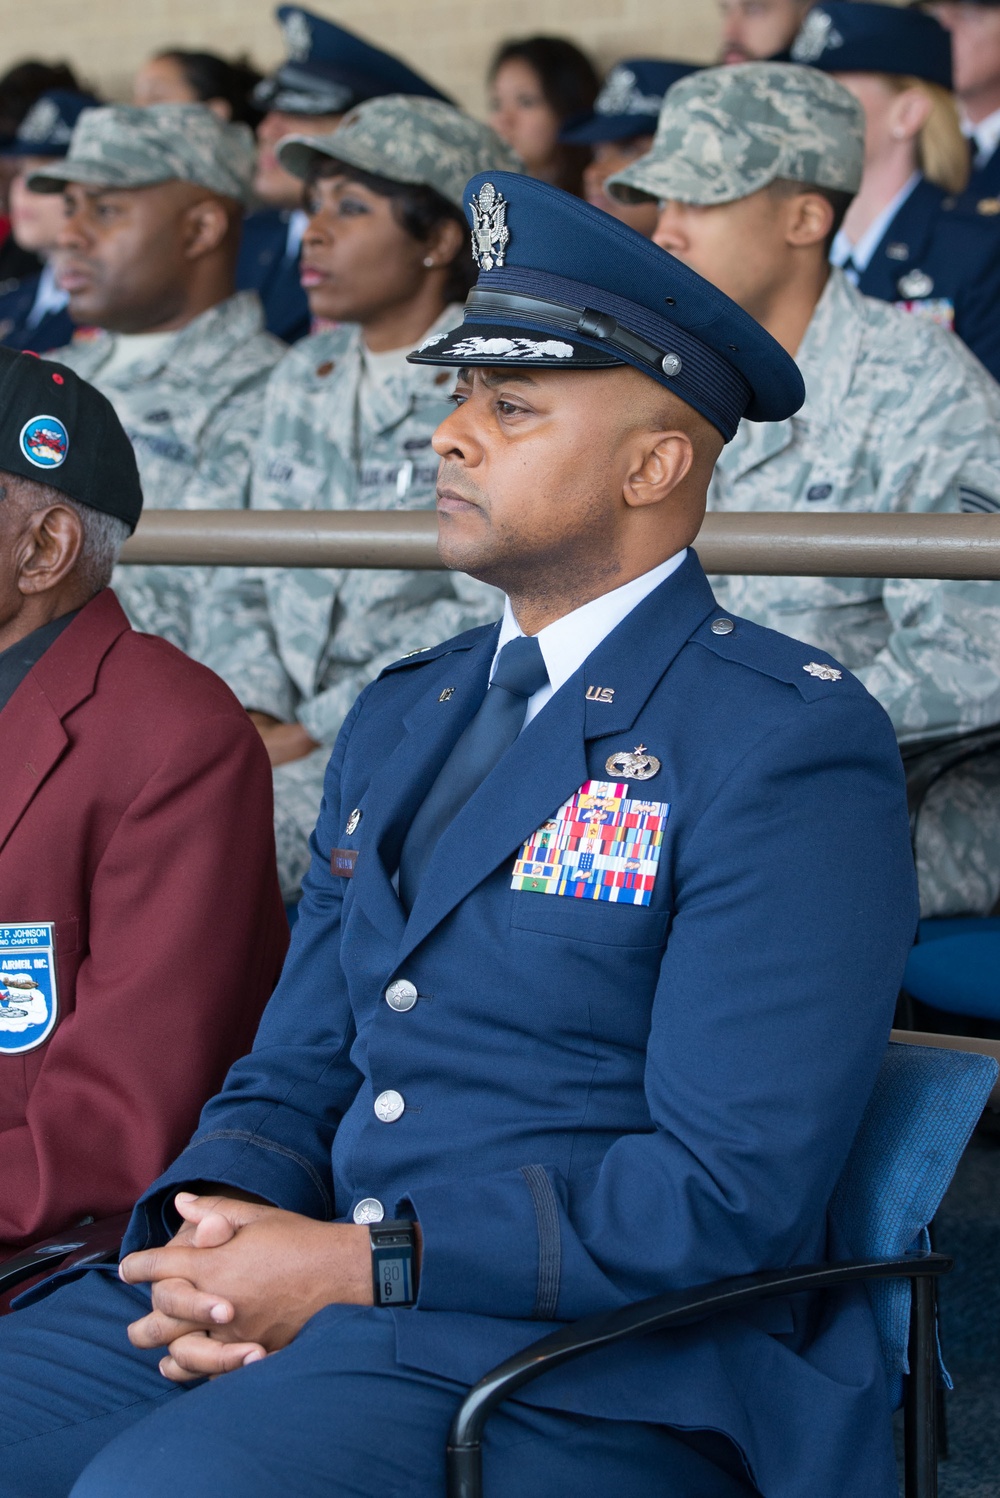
348 425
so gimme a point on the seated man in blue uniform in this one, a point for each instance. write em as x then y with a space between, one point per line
594 970
328 70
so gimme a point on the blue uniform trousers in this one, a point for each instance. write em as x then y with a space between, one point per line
333 1415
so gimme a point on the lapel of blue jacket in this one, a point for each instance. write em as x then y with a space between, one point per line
548 762
910 229
401 782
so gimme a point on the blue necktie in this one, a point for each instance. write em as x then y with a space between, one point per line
520 672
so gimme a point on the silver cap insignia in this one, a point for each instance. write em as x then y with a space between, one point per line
490 235
822 673
635 766
298 35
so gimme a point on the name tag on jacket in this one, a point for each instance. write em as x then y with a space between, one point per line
600 845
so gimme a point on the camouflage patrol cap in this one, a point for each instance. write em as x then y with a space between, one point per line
406 139
122 145
725 133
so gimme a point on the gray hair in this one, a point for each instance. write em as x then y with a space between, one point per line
103 535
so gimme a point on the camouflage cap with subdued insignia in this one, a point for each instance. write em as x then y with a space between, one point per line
121 145
725 133
406 139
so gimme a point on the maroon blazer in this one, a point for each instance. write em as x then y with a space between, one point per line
136 815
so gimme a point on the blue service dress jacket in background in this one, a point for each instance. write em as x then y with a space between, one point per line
983 190
54 330
264 267
604 1100
943 261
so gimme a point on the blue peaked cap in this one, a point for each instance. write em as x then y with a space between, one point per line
328 69
842 36
563 285
47 127
629 102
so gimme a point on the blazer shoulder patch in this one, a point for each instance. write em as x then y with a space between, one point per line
426 653
810 670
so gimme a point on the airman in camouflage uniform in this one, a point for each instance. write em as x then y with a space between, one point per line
192 406
898 417
347 430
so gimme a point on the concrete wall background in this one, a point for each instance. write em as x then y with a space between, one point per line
448 40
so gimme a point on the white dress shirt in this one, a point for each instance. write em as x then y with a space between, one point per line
566 643
860 254
298 223
986 136
48 298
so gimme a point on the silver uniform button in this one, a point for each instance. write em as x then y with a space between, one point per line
722 626
369 1210
401 995
389 1106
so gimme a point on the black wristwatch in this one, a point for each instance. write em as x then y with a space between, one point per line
394 1263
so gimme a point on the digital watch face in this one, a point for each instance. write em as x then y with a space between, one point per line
392 1266
395 1281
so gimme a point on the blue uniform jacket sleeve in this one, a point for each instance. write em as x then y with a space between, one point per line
269 1131
794 908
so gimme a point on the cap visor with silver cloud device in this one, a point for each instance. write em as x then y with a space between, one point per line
563 285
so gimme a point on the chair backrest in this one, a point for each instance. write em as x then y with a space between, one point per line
922 1111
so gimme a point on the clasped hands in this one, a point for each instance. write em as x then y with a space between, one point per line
240 1280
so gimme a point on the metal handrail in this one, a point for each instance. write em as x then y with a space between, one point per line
767 543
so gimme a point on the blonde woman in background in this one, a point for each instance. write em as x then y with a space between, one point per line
905 239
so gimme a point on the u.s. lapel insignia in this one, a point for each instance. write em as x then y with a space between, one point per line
822 673
490 235
447 694
600 694
915 285
635 766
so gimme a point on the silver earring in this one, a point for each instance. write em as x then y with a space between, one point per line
429 262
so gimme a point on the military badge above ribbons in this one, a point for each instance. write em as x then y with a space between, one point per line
29 1004
600 845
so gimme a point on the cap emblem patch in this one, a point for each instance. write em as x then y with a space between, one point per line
490 235
818 35
298 35
45 441
512 348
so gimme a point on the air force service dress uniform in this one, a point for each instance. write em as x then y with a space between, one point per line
33 313
924 254
620 1041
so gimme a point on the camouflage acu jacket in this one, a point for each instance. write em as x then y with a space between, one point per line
193 413
898 417
302 643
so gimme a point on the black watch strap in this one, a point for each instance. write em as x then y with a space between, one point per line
394 1263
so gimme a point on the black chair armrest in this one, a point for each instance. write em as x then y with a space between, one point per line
92 1243
660 1313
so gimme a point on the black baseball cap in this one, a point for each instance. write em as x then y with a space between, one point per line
58 430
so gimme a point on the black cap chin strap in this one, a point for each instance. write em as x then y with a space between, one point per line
581 320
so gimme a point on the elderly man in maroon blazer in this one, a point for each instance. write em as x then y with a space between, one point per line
141 927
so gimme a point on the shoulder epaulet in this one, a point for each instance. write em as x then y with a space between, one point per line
812 671
426 653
